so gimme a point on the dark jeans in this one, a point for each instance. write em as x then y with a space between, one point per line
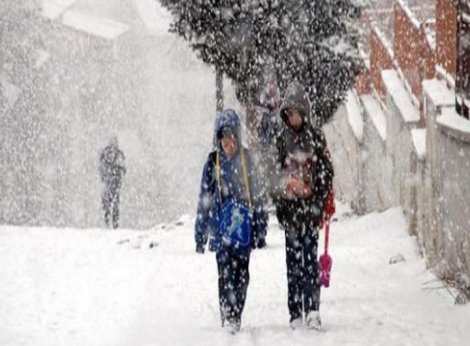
110 201
234 277
303 282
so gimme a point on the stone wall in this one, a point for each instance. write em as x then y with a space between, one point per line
424 170
344 137
454 203
402 117
429 226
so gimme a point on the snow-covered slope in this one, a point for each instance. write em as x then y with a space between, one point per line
101 287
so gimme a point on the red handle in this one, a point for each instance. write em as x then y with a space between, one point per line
327 235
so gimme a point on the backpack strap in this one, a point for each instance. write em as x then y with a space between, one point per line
281 147
217 172
245 175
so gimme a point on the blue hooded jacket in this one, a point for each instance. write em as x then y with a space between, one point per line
233 187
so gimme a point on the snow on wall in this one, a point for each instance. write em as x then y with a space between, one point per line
402 116
376 114
377 168
347 158
400 96
455 125
419 142
438 93
362 167
429 225
409 13
354 114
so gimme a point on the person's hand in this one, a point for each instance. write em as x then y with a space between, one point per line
199 248
298 187
330 205
253 242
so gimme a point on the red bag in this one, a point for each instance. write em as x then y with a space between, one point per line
325 261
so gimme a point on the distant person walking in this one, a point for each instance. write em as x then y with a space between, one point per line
112 170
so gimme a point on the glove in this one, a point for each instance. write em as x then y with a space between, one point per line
330 205
298 187
200 248
329 209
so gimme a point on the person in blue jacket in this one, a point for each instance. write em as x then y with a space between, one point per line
229 177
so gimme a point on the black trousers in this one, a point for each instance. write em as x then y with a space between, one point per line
303 281
110 200
234 278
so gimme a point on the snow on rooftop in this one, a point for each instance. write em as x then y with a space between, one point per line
437 91
419 142
103 27
355 116
156 18
400 96
376 114
52 9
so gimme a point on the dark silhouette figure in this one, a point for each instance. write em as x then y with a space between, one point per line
112 170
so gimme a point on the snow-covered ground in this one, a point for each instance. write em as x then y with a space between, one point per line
102 287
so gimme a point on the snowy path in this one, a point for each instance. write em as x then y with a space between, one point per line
93 287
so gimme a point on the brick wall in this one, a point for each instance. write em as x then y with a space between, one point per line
446 35
363 83
414 55
410 50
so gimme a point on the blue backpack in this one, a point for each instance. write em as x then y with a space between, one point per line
236 220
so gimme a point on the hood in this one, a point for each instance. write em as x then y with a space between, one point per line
296 97
228 118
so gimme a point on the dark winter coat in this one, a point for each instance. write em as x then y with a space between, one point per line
267 129
112 166
233 188
268 115
306 149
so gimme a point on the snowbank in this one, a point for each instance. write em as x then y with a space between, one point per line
99 287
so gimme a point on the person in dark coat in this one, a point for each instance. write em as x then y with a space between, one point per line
229 177
306 175
112 170
270 101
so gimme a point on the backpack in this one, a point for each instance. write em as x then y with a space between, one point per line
236 220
